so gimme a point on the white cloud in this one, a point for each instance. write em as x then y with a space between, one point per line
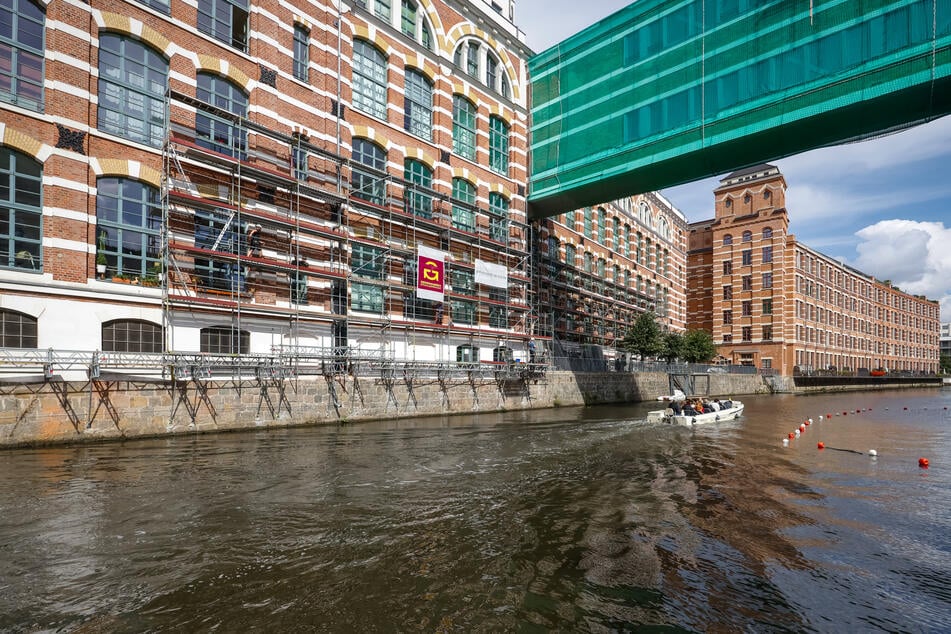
913 255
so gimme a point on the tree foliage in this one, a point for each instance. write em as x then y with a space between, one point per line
698 347
945 362
644 337
673 343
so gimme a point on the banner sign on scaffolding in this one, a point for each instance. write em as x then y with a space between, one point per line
430 274
490 274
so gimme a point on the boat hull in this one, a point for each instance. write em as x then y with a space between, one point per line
662 416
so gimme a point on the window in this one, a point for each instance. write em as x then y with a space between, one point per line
499 221
298 287
728 292
418 309
225 20
217 230
463 127
663 228
158 5
727 267
132 80
367 261
727 240
22 51
586 220
767 306
767 333
472 60
367 185
418 105
418 201
626 243
767 232
767 254
602 226
747 308
644 214
570 220
301 52
413 24
747 282
498 145
747 236
467 354
463 312
728 338
616 233
366 298
217 133
728 317
131 335
767 280
21 211
570 255
498 314
747 333
463 216
299 161
224 340
588 262
129 225
369 79
747 257
462 281
17 330
468 56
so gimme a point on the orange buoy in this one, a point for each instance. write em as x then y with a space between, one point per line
822 445
791 435
923 463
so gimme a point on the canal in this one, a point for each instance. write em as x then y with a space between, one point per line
571 519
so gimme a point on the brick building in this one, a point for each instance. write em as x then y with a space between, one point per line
774 303
599 267
228 176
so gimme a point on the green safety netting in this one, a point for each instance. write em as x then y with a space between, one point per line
665 92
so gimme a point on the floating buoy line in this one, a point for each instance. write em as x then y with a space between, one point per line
923 463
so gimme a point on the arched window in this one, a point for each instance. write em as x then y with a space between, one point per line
617 234
570 255
588 262
131 335
463 127
644 214
369 79
626 243
727 240
467 354
132 81
21 202
413 23
463 216
129 225
499 220
498 145
747 236
367 185
17 330
767 233
225 20
663 228
418 200
217 133
224 340
602 225
22 53
418 105
479 61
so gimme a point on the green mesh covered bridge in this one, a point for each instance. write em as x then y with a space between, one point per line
665 92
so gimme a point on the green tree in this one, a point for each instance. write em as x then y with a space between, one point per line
673 346
644 338
698 347
945 363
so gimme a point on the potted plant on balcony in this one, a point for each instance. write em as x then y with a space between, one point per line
101 261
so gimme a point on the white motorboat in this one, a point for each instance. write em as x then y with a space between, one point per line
668 415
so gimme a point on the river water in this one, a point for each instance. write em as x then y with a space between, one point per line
571 519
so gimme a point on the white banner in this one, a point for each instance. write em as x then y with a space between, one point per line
491 274
430 274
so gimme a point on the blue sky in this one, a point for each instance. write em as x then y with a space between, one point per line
882 206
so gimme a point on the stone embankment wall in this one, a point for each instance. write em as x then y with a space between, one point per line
62 412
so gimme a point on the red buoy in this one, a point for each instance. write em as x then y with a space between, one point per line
791 435
828 415
923 463
822 445
845 413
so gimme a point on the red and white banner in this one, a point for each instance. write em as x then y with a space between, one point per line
430 274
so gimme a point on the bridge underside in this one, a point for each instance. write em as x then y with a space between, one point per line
614 117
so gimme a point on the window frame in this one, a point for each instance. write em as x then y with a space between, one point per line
130 248
418 104
224 26
17 328
301 52
464 127
499 132
150 339
24 209
369 79
26 91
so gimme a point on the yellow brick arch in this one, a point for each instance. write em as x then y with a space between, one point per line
23 142
134 28
360 32
438 28
500 188
128 169
209 64
365 132
422 156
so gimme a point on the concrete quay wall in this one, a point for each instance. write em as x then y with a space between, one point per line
59 412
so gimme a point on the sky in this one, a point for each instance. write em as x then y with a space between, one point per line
882 206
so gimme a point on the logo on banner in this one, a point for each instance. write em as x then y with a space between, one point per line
430 276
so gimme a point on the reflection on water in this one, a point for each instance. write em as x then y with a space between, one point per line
567 519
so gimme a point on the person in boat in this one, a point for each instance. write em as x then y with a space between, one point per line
675 407
698 405
726 404
712 406
689 409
